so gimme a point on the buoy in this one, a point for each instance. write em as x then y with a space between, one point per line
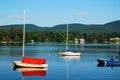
95 62
11 65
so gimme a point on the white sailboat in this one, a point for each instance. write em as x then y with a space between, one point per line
27 61
69 52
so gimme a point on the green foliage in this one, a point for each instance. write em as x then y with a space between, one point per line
16 35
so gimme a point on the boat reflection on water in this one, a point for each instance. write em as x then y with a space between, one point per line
70 57
103 65
67 59
31 71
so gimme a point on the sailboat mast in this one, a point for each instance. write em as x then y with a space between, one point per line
24 34
67 39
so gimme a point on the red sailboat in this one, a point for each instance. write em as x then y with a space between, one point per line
28 61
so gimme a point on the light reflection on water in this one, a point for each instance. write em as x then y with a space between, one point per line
62 68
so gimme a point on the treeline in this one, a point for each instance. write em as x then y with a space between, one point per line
16 35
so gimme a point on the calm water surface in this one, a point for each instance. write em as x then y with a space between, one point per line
61 68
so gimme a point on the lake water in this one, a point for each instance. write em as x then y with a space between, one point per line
61 68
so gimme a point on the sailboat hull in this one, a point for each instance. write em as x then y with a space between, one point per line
25 65
67 53
19 69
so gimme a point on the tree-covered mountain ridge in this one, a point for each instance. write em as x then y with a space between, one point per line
73 27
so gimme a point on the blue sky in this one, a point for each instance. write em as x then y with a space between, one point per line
47 13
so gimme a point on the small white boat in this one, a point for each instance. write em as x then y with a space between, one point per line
26 65
29 62
69 52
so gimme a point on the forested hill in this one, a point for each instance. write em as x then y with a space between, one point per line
75 27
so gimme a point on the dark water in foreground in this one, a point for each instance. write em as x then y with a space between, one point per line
80 68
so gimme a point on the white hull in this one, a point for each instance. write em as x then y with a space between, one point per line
30 69
19 64
67 53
